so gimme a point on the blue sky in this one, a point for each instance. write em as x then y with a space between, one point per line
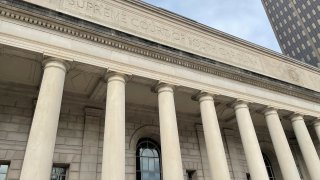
245 19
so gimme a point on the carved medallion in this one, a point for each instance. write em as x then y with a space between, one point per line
293 75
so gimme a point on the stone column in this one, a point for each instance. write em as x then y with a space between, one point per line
170 145
316 125
280 143
250 142
113 161
37 162
307 148
215 150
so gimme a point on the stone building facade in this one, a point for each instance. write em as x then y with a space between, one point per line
86 87
296 26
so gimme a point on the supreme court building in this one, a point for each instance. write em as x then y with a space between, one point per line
122 90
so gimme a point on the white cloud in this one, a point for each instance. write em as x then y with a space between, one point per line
245 19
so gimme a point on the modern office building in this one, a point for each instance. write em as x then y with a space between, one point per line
122 90
296 24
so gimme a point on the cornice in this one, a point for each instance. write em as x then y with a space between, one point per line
78 28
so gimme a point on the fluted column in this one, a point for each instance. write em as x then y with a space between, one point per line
170 146
280 143
113 161
250 142
37 162
215 150
316 125
306 145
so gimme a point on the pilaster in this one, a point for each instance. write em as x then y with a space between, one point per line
90 144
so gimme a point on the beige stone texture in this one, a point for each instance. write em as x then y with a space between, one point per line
96 130
134 64
170 146
168 29
135 121
215 148
283 152
39 152
250 142
307 147
113 159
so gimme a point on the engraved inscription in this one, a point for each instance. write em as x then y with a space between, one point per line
125 17
96 9
116 17
104 12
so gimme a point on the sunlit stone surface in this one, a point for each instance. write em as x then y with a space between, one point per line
133 92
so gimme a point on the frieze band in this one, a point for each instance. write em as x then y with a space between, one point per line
182 61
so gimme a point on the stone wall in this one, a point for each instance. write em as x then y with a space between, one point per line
69 139
144 122
79 142
15 119
234 149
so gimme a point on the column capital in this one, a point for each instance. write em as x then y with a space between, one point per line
296 117
239 103
281 146
203 96
250 141
56 62
116 76
113 155
40 149
306 145
162 87
269 111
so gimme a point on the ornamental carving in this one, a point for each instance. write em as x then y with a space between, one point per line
189 62
293 75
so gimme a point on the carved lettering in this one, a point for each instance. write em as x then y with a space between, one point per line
96 9
110 15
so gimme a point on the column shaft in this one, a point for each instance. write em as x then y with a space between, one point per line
37 163
307 148
317 128
113 162
250 143
170 146
283 152
217 158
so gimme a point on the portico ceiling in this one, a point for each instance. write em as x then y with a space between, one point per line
20 67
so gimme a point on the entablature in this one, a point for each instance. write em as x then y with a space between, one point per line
113 49
157 25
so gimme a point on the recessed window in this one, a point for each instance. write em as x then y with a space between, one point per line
148 160
4 168
59 172
191 175
248 176
268 164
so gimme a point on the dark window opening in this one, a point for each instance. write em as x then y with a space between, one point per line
191 174
248 176
59 172
148 160
268 164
